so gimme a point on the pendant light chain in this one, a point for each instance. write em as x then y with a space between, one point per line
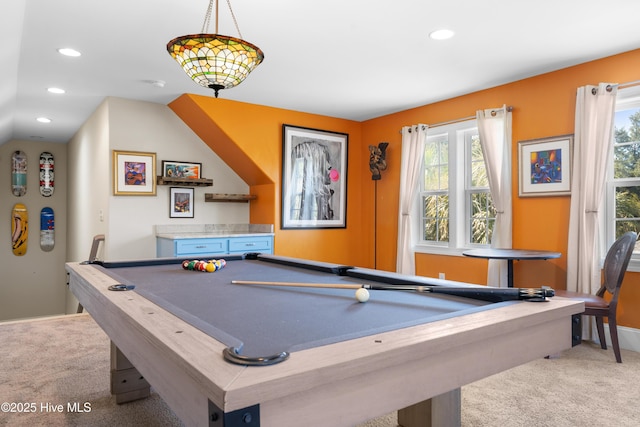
207 18
234 18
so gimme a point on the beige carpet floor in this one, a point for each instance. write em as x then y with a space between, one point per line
62 361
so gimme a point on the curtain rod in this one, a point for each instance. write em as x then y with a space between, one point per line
510 108
629 84
464 119
610 87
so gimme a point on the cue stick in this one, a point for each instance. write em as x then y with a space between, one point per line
480 293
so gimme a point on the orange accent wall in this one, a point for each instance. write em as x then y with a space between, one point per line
248 137
544 106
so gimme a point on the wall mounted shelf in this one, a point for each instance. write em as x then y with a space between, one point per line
234 198
184 182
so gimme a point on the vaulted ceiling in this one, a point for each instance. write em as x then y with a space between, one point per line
353 59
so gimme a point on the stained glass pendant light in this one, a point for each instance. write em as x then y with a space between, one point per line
213 60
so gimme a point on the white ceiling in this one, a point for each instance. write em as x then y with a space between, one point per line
353 59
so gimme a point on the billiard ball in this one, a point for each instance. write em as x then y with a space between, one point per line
362 295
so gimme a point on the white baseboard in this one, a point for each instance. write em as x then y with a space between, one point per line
629 338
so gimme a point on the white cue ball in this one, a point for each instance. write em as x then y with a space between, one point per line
362 295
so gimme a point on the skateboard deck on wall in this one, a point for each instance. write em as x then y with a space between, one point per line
19 229
47 229
46 174
19 173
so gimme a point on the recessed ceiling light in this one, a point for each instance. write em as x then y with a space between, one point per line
56 90
443 34
43 120
69 52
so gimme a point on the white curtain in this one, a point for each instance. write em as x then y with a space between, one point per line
413 139
494 127
595 110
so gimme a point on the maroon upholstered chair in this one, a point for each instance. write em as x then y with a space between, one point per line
615 266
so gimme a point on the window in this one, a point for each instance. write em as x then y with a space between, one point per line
622 197
483 213
455 205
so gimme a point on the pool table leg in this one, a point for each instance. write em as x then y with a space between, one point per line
127 384
439 411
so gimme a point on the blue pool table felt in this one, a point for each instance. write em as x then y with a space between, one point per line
265 320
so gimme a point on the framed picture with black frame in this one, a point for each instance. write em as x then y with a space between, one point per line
188 170
314 178
180 202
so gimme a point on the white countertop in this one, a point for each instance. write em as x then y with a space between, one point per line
210 231
210 235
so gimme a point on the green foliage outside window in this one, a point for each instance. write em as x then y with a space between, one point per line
483 213
626 167
436 197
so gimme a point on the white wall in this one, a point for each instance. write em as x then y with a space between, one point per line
129 221
33 284
148 127
88 153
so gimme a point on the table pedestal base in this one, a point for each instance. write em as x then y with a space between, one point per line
127 384
439 411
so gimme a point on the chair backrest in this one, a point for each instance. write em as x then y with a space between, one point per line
617 260
93 255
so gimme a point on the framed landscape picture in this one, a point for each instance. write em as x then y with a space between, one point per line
314 178
545 166
134 173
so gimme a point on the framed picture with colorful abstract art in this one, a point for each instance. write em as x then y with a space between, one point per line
134 173
545 166
189 170
314 178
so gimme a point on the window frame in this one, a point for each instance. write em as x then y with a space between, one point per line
459 166
628 98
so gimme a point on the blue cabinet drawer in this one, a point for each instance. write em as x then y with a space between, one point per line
193 247
201 246
251 244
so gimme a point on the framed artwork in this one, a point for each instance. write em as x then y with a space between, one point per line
180 202
134 173
314 178
545 166
172 169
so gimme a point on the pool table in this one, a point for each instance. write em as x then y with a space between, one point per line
328 359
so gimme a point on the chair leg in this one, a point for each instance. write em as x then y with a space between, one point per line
601 336
613 330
